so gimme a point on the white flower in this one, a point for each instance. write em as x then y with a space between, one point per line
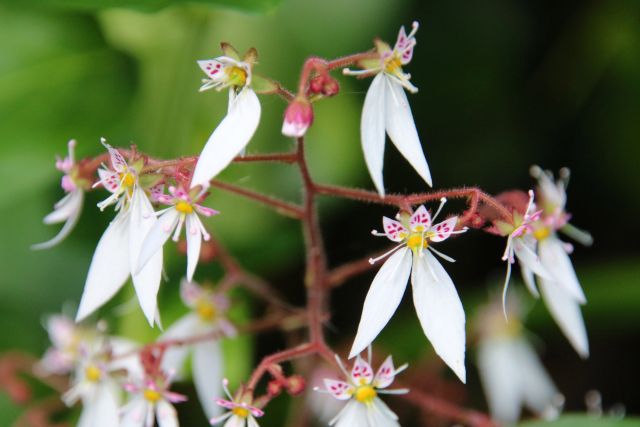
241 413
151 400
511 373
234 131
434 294
67 339
116 255
560 288
68 208
364 408
184 210
207 317
386 108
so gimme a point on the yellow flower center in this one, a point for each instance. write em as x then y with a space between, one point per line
127 179
392 64
417 241
365 394
92 373
206 310
240 412
236 76
151 395
184 207
542 233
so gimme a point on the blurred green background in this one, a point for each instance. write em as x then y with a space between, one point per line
503 85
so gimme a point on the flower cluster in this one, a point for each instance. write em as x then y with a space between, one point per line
155 200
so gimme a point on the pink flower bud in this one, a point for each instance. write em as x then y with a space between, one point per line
297 118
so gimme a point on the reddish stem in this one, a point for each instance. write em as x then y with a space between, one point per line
448 411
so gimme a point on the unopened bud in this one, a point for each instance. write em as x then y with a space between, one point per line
297 118
274 388
331 87
295 385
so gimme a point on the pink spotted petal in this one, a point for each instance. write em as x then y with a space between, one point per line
118 163
339 389
393 229
157 194
227 404
420 217
212 68
361 373
444 229
386 374
109 180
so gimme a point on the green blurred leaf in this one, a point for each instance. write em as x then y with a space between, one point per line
576 420
252 6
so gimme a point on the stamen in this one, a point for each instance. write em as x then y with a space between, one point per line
414 29
394 391
504 292
441 255
350 72
225 387
384 255
341 366
565 175
378 233
400 369
442 202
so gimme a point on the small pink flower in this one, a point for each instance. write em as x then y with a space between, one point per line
240 414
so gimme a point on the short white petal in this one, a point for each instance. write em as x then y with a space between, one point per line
235 421
109 267
156 237
147 281
174 357
440 311
383 299
566 311
64 208
555 259
166 414
229 138
251 422
194 242
372 127
73 209
537 388
402 129
207 375
500 376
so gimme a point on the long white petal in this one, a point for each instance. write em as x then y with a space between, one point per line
72 210
402 129
555 259
440 311
566 311
64 208
105 407
174 357
194 242
235 421
207 375
500 375
383 299
529 280
109 267
354 414
229 138
134 413
538 390
147 281
166 414
156 237
380 415
372 127
528 257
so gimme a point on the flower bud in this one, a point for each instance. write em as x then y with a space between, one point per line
297 118
295 385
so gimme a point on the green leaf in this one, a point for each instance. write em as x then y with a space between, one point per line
578 420
252 6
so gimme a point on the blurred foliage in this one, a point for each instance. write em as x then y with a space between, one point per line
501 87
585 421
